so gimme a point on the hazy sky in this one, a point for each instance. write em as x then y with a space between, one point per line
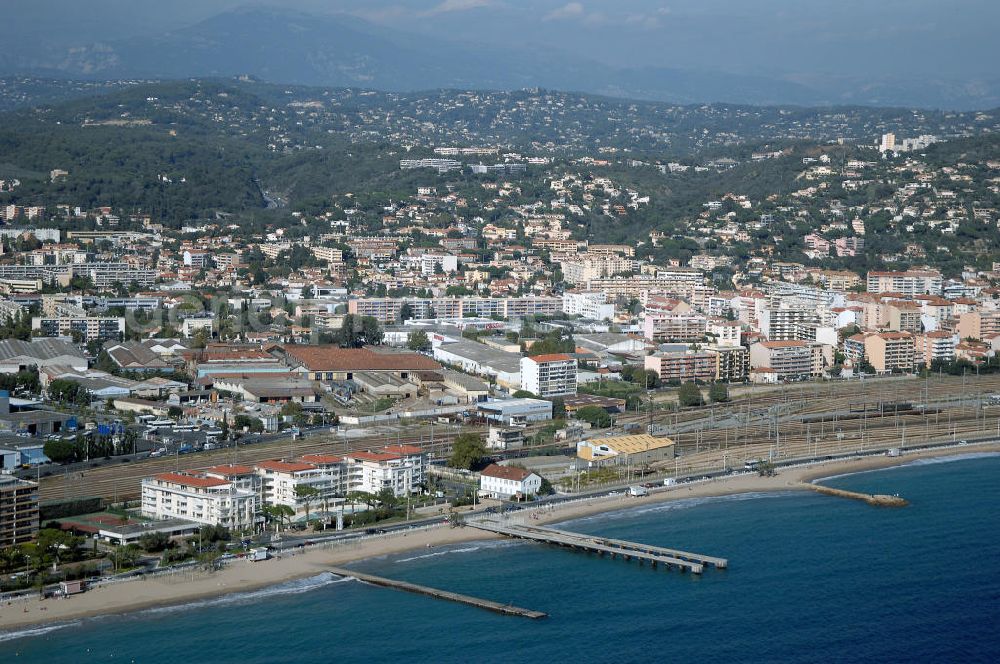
953 39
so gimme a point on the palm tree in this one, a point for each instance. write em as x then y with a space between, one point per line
306 493
278 513
355 497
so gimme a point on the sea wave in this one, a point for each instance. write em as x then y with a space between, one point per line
29 632
927 461
671 505
296 587
444 551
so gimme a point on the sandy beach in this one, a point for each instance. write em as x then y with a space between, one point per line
242 575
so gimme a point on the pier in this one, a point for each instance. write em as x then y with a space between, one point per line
496 607
655 555
876 499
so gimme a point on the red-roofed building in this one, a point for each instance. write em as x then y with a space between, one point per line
202 498
301 486
503 482
402 470
335 363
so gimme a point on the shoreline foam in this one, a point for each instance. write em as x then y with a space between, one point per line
33 617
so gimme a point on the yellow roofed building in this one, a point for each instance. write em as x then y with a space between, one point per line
619 450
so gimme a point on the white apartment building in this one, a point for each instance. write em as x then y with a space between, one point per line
682 327
200 498
549 375
787 359
910 283
588 304
787 323
280 479
503 482
372 472
328 254
726 333
584 270
430 263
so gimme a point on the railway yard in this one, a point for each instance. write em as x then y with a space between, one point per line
777 423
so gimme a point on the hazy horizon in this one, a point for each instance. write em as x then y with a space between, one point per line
851 50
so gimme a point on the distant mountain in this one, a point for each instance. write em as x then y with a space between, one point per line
295 48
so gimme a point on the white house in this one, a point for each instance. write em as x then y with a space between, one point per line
196 497
502 482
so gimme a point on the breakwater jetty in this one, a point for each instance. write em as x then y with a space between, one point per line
876 499
496 607
644 553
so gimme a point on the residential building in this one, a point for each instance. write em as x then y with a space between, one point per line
88 328
211 500
504 482
979 325
280 481
588 304
683 366
786 323
787 359
549 375
934 347
18 510
726 333
904 316
373 472
732 362
667 327
890 351
909 283
386 309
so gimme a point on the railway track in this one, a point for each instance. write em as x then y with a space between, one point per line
735 429
122 482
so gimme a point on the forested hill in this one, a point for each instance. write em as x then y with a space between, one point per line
188 149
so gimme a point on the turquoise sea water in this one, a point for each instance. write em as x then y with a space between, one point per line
811 579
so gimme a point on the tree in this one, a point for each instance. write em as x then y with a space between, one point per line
278 514
524 394
61 451
355 497
595 415
467 451
358 331
689 394
154 542
418 341
718 393
558 408
294 410
405 312
306 494
387 499
251 424
555 341
68 392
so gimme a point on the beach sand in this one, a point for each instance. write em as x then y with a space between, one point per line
242 575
